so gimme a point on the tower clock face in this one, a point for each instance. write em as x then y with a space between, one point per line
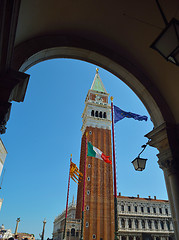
98 98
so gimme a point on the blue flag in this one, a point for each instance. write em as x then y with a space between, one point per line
119 114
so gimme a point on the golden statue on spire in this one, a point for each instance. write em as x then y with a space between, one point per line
97 70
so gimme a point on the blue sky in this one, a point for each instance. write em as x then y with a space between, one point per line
45 129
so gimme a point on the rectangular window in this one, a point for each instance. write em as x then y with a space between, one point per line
142 209
77 234
154 210
122 208
135 209
166 211
148 209
160 210
129 208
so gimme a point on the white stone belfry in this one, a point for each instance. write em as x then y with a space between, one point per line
97 112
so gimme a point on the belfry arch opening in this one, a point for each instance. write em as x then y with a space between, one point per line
65 117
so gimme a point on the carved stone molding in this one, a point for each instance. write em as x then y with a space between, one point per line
165 139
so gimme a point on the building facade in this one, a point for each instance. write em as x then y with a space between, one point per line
73 225
144 218
3 153
5 233
27 236
1 200
138 219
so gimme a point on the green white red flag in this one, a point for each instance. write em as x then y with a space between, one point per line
95 152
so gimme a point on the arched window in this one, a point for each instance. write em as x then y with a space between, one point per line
72 232
168 225
135 208
162 224
136 224
143 224
148 209
122 223
96 114
166 211
129 223
104 115
156 224
100 115
122 208
150 224
92 113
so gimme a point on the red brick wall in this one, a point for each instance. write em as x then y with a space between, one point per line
100 200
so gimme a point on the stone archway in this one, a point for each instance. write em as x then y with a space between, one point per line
164 135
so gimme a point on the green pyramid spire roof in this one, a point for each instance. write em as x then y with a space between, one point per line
97 84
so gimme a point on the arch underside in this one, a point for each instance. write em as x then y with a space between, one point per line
40 49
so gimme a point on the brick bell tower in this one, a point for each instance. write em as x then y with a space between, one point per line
99 199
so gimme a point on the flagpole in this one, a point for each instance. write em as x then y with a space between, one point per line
84 177
64 232
114 171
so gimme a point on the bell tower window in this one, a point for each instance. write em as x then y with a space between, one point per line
92 113
104 115
96 114
100 115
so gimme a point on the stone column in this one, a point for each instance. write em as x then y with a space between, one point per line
159 225
133 224
171 226
146 224
165 225
153 225
126 223
140 224
119 223
165 139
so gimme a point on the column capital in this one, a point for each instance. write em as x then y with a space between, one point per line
166 139
13 85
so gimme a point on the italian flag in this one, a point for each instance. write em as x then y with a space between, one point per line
95 152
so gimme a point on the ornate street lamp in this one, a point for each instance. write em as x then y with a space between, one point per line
167 43
139 163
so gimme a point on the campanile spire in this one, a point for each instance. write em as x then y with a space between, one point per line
97 112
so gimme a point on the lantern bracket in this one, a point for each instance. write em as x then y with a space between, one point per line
144 147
